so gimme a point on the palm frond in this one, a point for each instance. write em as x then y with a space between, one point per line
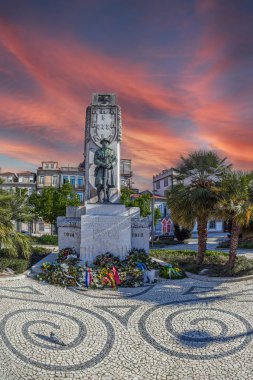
236 198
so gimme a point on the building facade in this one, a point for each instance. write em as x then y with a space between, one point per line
14 182
165 224
50 174
165 181
126 173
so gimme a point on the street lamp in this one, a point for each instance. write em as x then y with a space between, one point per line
153 216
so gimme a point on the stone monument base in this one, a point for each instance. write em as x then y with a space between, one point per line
99 228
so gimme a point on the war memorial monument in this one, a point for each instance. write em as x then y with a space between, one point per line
103 224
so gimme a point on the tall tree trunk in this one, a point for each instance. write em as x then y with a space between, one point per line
235 232
202 238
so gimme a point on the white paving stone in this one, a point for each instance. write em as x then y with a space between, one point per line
183 329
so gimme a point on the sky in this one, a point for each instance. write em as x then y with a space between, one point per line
182 71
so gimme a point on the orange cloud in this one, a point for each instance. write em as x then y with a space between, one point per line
66 74
45 118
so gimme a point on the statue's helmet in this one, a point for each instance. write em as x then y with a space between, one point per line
104 139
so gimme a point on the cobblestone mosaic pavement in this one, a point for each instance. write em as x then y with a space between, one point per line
185 329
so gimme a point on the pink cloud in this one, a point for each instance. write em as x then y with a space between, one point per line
65 72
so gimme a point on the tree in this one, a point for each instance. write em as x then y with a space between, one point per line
157 215
236 204
125 198
194 197
52 202
14 207
143 201
19 203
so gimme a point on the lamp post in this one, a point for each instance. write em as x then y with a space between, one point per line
153 216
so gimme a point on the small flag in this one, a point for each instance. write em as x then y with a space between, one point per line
87 278
116 276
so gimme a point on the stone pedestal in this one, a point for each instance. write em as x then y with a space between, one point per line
101 234
99 228
69 233
140 234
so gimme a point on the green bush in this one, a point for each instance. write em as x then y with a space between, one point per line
242 244
21 249
246 245
19 264
214 261
38 253
169 241
223 244
46 239
181 233
16 264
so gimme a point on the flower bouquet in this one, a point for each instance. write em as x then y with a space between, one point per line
107 260
171 272
68 254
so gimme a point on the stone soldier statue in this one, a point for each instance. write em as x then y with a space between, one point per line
105 160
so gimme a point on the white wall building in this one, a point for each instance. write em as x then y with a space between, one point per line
165 181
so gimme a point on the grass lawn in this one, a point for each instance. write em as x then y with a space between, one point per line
19 265
214 262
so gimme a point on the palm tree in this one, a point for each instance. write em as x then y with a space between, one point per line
194 196
236 204
12 208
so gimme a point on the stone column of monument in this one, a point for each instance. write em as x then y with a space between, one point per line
103 121
103 225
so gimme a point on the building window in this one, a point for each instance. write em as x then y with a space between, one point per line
80 196
41 226
72 180
166 226
80 181
65 179
212 224
166 182
125 167
52 166
54 180
41 179
158 184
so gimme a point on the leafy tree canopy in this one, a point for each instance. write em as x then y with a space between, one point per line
52 202
157 215
143 201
